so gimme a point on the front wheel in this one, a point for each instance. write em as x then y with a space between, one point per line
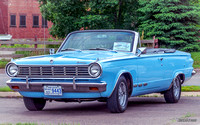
34 104
174 93
118 101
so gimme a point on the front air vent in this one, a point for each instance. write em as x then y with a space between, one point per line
54 71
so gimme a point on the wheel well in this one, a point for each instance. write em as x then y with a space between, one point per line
182 77
129 80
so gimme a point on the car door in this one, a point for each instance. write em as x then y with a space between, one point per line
150 73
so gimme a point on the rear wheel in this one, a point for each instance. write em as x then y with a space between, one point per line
118 101
34 104
173 94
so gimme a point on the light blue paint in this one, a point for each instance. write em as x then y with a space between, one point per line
147 68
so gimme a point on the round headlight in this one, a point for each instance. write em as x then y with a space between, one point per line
94 70
11 70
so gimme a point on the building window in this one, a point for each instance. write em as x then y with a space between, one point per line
12 20
35 21
22 21
44 22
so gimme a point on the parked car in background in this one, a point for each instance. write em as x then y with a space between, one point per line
104 65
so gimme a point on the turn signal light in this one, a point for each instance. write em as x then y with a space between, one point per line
15 87
94 88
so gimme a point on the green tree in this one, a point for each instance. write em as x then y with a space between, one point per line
113 14
70 15
64 14
173 22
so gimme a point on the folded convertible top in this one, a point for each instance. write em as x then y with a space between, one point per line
159 50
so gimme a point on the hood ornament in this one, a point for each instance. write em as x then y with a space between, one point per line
51 61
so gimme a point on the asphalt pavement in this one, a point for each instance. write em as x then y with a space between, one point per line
141 111
3 79
195 80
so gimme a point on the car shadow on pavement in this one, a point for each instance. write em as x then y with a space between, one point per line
98 107
76 108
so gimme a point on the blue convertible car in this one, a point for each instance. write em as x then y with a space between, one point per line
103 65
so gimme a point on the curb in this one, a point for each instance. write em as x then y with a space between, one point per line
17 95
10 95
191 94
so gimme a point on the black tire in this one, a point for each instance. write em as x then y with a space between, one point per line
34 104
174 93
113 102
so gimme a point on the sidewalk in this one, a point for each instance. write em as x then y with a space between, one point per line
2 71
17 95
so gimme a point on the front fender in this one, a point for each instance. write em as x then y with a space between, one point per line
120 73
111 83
113 70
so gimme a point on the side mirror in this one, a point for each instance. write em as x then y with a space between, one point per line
51 51
141 50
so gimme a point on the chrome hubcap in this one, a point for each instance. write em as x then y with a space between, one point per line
176 88
122 95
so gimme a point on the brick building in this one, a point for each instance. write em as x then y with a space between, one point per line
23 19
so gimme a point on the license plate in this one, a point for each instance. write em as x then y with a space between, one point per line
53 90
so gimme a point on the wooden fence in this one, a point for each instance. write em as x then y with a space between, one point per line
35 48
150 43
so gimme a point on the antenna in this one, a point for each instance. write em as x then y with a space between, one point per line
44 31
2 20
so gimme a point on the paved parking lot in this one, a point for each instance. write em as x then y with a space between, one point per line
141 111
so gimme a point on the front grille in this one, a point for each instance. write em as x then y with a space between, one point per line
54 71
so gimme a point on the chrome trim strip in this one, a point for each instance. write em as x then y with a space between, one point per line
119 58
32 77
74 84
66 86
104 30
63 43
135 43
61 83
51 65
53 78
193 72
27 83
53 75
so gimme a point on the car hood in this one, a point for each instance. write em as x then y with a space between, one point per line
72 57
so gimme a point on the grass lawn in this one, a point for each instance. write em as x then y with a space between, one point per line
190 88
196 58
3 63
5 89
184 89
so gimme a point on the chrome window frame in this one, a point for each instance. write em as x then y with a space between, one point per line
134 42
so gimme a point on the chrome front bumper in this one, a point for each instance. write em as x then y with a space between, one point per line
66 86
193 72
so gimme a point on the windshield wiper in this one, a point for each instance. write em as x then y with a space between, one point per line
69 49
100 49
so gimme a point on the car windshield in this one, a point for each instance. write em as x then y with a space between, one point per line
98 40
